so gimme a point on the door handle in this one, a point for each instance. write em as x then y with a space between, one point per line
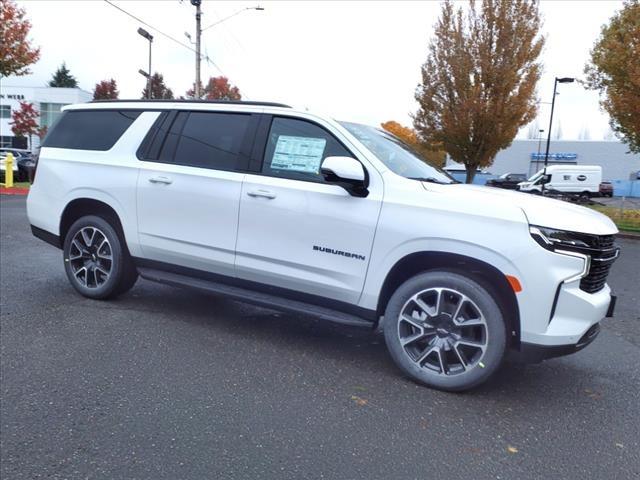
164 180
262 193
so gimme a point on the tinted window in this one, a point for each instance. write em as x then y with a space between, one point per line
171 140
90 130
210 140
295 149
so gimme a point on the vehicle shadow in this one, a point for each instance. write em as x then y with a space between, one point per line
532 384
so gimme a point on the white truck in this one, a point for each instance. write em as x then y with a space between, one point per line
583 180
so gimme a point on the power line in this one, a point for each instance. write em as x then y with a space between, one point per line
205 57
164 34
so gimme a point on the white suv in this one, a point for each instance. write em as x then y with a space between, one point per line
290 210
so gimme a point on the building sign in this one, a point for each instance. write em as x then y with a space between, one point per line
11 96
557 157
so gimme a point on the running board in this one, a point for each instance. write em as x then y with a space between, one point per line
251 296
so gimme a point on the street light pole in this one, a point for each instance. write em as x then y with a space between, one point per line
257 8
540 132
148 36
553 104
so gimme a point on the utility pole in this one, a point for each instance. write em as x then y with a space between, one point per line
197 3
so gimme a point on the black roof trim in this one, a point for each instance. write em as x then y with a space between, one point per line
217 102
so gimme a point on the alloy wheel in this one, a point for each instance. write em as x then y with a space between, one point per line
443 331
91 257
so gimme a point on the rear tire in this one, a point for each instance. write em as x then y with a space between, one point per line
96 260
445 330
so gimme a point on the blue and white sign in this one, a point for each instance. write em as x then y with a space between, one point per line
558 157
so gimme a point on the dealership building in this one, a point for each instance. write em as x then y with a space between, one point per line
527 156
47 100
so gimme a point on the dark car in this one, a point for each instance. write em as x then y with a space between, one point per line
606 189
22 158
507 180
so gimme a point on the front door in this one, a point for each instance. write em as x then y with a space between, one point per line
297 232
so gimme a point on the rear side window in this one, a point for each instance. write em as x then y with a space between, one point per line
212 140
90 129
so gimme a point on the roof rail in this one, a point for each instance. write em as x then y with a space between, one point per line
218 102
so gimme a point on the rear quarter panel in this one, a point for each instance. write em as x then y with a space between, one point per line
64 175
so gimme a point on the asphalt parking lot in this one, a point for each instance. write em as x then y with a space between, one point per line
168 383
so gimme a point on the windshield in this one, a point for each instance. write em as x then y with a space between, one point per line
396 155
537 175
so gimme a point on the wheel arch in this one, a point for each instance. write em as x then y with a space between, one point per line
81 207
487 275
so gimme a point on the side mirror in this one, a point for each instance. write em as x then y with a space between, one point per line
346 172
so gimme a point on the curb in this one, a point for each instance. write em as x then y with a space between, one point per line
628 235
14 191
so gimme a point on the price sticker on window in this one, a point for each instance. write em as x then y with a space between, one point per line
299 154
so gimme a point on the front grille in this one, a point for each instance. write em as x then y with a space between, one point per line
603 253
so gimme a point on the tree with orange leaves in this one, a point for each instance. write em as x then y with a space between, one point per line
217 88
24 121
106 90
479 79
16 52
431 155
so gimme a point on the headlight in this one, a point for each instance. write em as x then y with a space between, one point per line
552 239
565 243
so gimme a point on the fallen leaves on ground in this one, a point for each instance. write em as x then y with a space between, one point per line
361 402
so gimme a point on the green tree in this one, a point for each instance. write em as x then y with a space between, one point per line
614 70
62 78
158 88
478 82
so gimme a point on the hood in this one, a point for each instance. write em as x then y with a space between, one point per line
545 212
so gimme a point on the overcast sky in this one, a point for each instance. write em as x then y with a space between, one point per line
355 61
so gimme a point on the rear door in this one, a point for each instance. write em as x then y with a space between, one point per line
296 231
189 188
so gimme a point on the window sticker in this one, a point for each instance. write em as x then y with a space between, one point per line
300 154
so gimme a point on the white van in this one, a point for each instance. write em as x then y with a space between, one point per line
583 180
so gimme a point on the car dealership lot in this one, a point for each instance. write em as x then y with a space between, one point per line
168 383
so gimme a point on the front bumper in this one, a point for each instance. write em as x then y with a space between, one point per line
533 353
537 352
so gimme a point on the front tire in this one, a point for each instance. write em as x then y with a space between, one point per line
445 330
96 260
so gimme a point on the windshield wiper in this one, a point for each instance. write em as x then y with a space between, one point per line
429 180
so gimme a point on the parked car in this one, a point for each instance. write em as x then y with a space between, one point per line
582 180
606 189
509 181
19 157
341 221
